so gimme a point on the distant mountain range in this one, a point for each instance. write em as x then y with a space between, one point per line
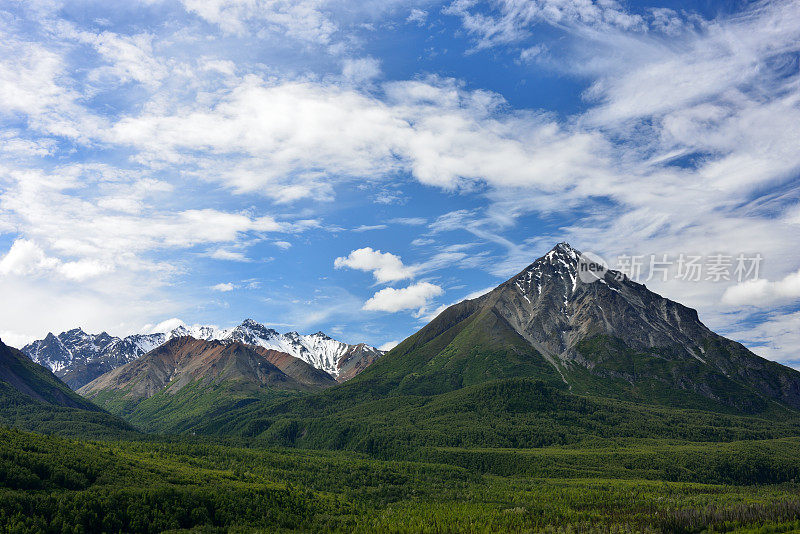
78 357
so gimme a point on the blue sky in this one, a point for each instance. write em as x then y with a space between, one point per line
353 167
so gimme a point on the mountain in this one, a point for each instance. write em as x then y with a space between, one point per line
188 379
543 358
78 358
32 398
340 360
612 337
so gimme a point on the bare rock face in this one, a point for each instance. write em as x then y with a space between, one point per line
551 306
355 359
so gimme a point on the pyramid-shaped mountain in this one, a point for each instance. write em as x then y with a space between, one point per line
611 337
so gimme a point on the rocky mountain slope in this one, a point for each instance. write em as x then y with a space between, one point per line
78 358
184 360
31 397
188 378
612 337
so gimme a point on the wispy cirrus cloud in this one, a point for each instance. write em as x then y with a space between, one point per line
498 22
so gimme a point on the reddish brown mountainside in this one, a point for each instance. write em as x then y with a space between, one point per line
185 360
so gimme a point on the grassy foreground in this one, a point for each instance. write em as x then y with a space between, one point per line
52 484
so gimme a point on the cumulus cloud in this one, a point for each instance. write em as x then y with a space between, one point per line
223 287
414 297
762 292
164 326
385 266
273 138
389 345
26 258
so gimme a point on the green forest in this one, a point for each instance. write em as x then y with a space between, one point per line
505 456
53 484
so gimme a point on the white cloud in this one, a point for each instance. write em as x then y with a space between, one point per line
385 266
416 296
14 339
25 257
113 229
762 292
283 245
167 325
303 20
12 144
274 138
389 345
369 227
361 70
223 287
410 221
229 255
417 16
507 21
126 57
34 83
29 75
83 269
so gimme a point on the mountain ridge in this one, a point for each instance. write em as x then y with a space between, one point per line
78 358
33 398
